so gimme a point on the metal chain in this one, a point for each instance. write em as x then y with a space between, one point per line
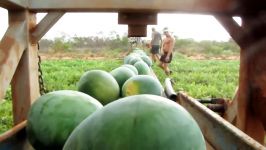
41 83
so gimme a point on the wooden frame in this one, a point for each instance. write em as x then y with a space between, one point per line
18 48
13 4
250 99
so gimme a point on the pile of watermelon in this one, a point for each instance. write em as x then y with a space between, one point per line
116 110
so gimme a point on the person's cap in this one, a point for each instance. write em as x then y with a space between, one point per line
165 29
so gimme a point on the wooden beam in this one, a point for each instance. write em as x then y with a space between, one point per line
45 25
137 30
246 119
198 6
244 36
11 49
13 4
25 85
251 99
230 25
137 18
231 111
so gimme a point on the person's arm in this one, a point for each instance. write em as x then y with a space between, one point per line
161 43
162 46
170 50
152 37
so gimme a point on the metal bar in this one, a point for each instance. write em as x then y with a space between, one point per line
45 25
219 133
199 6
169 91
11 49
26 76
13 4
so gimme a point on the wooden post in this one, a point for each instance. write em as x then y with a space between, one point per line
25 85
252 79
250 101
12 47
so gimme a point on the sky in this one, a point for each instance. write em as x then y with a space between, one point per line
198 27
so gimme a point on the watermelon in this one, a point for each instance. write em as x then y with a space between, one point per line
122 74
53 116
133 60
99 84
140 52
147 60
131 67
127 59
140 122
142 84
143 68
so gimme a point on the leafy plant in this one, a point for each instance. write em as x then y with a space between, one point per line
199 78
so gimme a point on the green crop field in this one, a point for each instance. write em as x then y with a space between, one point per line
199 78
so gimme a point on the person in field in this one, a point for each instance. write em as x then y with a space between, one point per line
167 49
155 45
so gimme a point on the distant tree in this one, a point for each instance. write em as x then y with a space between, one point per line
61 44
45 44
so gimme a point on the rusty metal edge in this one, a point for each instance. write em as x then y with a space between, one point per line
219 133
13 131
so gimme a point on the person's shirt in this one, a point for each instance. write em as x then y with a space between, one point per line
156 38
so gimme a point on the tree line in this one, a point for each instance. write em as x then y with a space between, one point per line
95 44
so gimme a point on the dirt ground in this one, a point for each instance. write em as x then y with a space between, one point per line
69 56
202 57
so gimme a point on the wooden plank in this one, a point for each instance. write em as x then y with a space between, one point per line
15 138
231 111
137 18
219 133
235 31
12 132
198 6
26 76
251 116
11 49
45 25
208 145
137 30
13 4
246 121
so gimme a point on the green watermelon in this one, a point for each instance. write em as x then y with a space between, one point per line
140 52
143 68
134 60
131 67
141 122
147 60
121 75
99 84
53 116
127 59
142 84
